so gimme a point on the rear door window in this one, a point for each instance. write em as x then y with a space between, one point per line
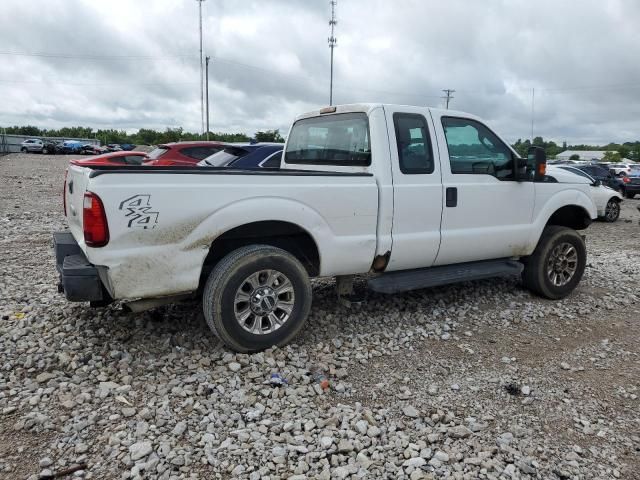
199 153
413 142
338 139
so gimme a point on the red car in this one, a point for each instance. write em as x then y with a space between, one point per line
183 153
113 158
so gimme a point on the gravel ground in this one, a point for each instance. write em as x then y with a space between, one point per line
478 380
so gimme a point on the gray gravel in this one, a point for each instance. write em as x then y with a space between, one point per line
479 380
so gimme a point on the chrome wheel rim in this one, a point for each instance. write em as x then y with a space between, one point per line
612 210
264 302
562 264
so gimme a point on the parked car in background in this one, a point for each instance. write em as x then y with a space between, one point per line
620 168
606 199
32 145
114 147
632 183
127 146
112 158
607 178
183 153
89 149
72 146
245 155
52 147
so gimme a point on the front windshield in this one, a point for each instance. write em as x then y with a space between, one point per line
225 157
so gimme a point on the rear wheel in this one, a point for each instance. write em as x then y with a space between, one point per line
23 149
557 264
612 210
256 297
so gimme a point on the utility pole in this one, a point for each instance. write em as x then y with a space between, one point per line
448 91
533 96
206 88
201 69
332 44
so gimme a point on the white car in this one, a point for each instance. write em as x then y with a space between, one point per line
606 199
619 169
32 145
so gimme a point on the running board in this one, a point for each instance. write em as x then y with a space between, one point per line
394 282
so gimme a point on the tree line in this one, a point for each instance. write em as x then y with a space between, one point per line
629 150
144 136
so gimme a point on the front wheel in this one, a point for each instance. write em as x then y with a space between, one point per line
256 297
557 264
612 210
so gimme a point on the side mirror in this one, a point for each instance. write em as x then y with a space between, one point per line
537 163
596 183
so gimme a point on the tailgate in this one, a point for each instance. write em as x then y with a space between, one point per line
76 185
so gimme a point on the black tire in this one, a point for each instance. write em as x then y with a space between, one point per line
23 149
535 275
629 195
612 211
229 276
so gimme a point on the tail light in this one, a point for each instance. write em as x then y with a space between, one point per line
94 221
64 192
625 179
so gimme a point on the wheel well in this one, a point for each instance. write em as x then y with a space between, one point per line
284 235
571 216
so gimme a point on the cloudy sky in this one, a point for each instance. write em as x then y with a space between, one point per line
127 64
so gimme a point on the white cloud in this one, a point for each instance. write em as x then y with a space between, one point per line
271 61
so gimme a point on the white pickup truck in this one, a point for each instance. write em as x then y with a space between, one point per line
412 196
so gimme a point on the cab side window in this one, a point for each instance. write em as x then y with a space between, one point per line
414 144
474 149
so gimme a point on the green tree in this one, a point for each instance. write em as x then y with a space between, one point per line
575 156
611 156
269 136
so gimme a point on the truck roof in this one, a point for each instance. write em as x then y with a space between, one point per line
368 107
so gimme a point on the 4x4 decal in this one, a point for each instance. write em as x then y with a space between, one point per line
138 211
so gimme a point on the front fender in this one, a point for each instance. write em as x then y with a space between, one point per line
550 200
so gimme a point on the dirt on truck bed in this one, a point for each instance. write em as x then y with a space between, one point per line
477 380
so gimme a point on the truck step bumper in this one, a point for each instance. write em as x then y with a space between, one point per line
394 282
79 279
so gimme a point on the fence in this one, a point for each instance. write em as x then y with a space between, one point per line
13 143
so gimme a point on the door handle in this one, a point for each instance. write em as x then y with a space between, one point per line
451 197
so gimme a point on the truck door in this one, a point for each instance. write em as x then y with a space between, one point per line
417 188
487 213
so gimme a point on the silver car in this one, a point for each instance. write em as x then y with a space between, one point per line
32 145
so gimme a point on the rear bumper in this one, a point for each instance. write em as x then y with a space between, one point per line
632 187
79 279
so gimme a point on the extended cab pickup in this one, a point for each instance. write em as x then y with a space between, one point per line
412 196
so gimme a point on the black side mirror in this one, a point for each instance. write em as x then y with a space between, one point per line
596 183
537 163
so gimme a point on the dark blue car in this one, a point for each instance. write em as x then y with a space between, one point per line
246 155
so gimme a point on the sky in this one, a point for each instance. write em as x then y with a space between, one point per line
128 64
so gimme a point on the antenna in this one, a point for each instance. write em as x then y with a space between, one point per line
332 44
448 91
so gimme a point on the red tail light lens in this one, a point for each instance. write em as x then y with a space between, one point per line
625 179
64 193
94 221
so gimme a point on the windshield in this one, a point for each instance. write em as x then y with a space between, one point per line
341 139
225 157
158 152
